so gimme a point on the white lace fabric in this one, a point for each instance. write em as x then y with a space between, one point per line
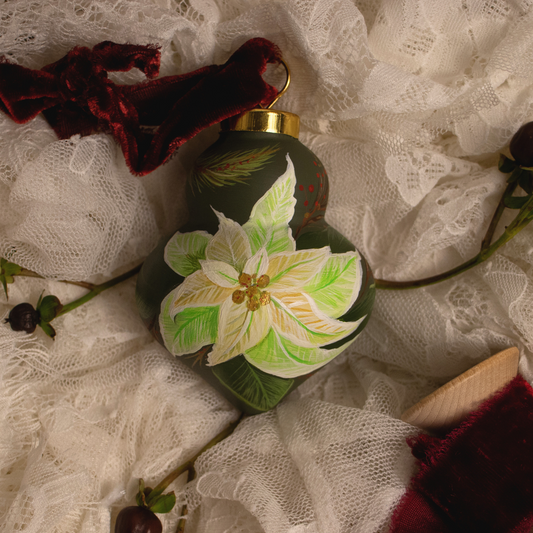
407 104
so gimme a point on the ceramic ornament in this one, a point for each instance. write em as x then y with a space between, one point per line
257 291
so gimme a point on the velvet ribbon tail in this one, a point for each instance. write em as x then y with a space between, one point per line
149 120
479 477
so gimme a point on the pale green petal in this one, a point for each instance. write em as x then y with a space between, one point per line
221 273
196 291
230 244
184 251
268 225
336 287
280 357
189 330
239 329
296 317
292 270
257 264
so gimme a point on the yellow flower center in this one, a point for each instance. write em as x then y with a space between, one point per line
251 291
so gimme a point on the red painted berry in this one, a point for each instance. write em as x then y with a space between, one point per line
311 188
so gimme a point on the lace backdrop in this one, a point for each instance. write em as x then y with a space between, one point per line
407 104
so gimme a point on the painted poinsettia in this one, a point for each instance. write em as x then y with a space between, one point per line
247 290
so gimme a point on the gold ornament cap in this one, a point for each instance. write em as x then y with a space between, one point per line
266 119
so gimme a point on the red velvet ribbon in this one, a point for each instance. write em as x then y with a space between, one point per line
77 97
479 477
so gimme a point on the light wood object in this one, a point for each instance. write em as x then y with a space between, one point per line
451 403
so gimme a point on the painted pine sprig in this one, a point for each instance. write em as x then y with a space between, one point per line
230 168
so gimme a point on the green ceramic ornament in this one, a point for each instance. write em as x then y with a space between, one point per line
257 291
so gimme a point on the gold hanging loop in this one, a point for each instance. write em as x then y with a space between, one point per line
266 119
285 87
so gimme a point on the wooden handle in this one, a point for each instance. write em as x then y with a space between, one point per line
451 403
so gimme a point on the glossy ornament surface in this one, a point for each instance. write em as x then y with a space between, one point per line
257 291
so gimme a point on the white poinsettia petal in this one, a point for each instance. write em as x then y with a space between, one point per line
280 357
258 263
239 330
196 291
221 274
296 317
233 321
189 330
268 225
336 287
230 244
292 270
184 251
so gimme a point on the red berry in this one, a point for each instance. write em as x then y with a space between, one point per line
23 317
521 146
136 519
311 188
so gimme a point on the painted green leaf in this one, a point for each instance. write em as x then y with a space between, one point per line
190 330
280 357
268 226
259 390
230 168
336 287
184 251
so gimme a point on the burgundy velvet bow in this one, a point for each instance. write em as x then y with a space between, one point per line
478 478
76 96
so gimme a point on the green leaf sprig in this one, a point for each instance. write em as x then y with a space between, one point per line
155 501
48 308
521 176
7 272
23 317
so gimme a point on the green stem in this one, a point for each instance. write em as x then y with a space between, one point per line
485 243
191 474
97 289
523 218
189 465
31 274
402 285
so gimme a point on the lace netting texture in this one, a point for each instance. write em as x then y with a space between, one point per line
407 104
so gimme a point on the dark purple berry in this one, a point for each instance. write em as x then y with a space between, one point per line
23 317
521 146
136 519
